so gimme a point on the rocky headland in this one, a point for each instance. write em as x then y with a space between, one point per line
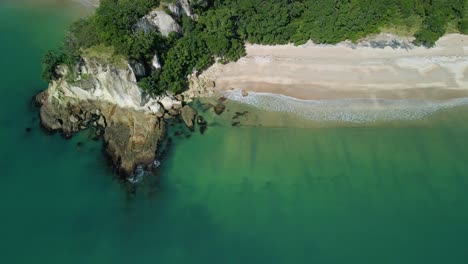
101 93
106 98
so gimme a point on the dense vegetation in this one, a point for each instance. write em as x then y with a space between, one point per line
225 25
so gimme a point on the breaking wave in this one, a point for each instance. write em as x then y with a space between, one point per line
347 110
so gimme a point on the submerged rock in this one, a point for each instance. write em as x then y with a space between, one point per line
188 116
236 118
206 106
202 124
219 108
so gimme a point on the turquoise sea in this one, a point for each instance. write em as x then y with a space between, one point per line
393 192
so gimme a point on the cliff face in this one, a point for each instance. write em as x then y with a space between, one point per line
94 80
106 98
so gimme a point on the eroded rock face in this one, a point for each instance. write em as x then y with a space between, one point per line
159 20
175 9
94 80
185 4
187 7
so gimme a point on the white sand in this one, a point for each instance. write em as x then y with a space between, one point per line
345 70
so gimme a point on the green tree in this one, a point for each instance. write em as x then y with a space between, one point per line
49 65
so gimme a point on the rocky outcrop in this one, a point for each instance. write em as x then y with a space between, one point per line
200 86
106 98
188 116
99 81
174 8
185 5
159 20
132 138
219 108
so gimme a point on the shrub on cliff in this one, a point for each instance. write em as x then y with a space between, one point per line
49 65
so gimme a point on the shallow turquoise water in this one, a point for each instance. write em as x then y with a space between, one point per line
393 193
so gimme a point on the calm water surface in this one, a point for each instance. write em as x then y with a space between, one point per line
396 193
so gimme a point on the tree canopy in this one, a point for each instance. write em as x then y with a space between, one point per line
223 26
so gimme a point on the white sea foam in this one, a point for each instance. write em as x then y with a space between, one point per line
347 110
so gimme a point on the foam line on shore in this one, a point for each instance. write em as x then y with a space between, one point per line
346 110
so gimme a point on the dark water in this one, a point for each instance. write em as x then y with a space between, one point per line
396 193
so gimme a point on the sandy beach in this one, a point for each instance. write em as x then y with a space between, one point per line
383 66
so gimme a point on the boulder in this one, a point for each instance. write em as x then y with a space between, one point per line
102 121
73 119
219 108
173 112
95 111
202 124
169 103
188 116
167 116
179 97
156 108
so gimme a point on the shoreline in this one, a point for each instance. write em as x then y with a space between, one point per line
346 110
383 66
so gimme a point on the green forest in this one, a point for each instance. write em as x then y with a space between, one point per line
223 26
